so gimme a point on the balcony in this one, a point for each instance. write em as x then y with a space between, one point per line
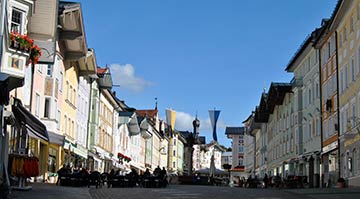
20 52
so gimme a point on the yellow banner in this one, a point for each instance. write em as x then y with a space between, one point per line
170 118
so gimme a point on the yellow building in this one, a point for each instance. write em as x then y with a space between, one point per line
74 50
347 25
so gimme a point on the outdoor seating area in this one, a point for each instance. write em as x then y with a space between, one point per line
83 177
290 182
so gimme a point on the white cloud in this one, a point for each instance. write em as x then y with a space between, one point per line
124 75
184 123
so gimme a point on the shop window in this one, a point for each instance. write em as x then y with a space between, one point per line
52 160
350 164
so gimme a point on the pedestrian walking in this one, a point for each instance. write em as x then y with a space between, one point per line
266 180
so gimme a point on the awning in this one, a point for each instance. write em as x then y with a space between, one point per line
55 138
35 127
8 83
81 151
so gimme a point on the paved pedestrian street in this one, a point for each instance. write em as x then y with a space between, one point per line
42 191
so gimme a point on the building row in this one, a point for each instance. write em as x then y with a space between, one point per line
311 126
57 104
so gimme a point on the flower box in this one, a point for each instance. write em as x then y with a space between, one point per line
25 44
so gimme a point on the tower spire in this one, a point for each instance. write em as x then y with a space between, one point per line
156 103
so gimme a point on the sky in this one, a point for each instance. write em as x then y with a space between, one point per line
197 55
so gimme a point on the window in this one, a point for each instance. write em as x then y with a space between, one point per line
341 39
16 63
358 12
72 129
318 127
352 69
352 24
353 115
355 162
341 81
174 142
70 93
61 82
58 119
310 98
65 124
37 104
346 77
345 36
47 108
174 164
69 127
17 19
241 161
49 70
241 149
67 89
174 152
358 60
317 90
74 96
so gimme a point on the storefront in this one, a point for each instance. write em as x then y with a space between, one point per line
7 83
350 156
28 145
75 155
330 165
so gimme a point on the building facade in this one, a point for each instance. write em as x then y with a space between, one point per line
306 117
347 24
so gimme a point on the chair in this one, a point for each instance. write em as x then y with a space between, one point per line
95 179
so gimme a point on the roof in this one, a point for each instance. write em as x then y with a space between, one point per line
261 111
101 70
298 53
126 114
235 130
147 113
276 94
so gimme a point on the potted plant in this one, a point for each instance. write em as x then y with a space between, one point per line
20 42
35 54
25 44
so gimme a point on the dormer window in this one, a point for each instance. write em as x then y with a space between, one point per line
17 21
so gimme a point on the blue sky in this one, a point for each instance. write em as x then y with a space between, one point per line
196 55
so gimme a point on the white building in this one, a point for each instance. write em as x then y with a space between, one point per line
226 158
238 143
202 155
249 155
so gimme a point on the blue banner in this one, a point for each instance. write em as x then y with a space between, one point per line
214 116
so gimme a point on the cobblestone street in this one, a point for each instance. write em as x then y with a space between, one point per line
42 191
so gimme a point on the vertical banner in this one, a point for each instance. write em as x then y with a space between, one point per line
214 116
170 118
